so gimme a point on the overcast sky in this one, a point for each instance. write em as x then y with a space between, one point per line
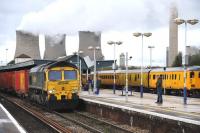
116 19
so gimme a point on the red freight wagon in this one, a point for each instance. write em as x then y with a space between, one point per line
9 81
21 82
2 80
6 81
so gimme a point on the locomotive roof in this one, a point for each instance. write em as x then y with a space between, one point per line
41 68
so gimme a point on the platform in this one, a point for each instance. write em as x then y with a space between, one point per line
172 107
7 123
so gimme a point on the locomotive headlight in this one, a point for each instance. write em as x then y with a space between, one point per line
75 90
52 91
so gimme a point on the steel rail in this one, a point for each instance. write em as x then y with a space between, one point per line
79 123
49 122
105 122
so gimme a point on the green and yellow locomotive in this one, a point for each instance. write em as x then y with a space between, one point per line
55 85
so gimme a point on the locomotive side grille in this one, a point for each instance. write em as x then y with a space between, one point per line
192 85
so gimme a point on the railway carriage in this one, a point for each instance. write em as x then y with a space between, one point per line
20 82
14 81
172 79
133 78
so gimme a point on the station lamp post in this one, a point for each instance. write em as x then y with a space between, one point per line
6 54
179 21
114 66
127 74
150 48
79 66
94 78
138 34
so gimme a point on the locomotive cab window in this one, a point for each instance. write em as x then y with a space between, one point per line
55 75
199 74
70 75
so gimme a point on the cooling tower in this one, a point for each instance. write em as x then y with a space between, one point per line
173 35
54 46
86 39
27 44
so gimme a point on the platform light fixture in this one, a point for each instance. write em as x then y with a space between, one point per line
127 59
180 21
114 66
150 48
138 34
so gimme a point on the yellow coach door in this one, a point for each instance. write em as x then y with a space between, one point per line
192 80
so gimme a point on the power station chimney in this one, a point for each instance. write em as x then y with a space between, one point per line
173 35
86 39
54 46
27 44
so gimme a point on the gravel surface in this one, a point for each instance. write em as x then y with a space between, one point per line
102 127
133 129
75 128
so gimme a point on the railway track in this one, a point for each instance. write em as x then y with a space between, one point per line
39 114
91 123
81 121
